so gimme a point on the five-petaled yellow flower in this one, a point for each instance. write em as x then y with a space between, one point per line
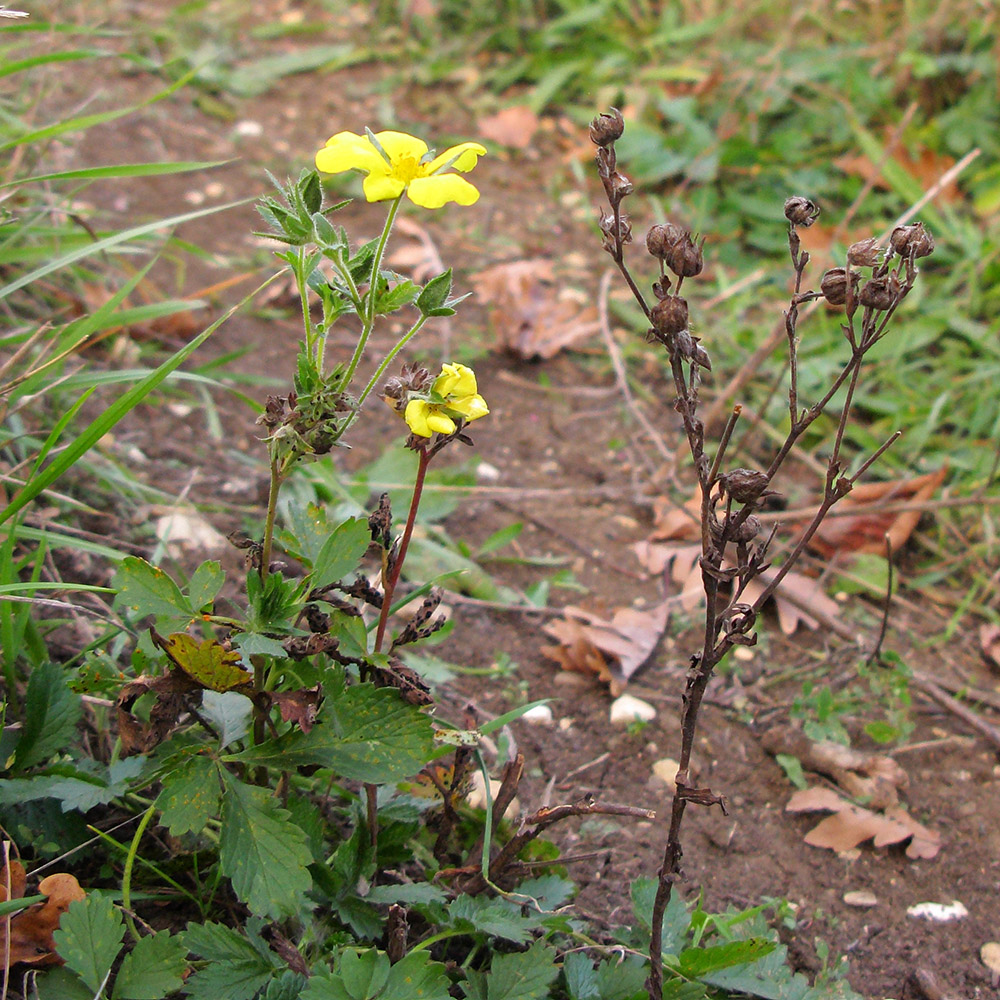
396 162
453 396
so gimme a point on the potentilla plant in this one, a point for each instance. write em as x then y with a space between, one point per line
868 289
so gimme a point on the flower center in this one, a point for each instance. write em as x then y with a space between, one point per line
406 169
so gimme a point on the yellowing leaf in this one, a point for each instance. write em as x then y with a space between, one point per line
208 662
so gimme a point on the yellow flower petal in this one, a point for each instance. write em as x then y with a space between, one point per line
456 380
471 407
379 186
465 155
415 416
399 146
347 151
440 422
436 191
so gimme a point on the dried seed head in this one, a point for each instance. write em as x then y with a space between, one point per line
880 293
748 530
660 239
912 239
411 378
801 211
744 485
620 186
607 127
607 224
685 257
864 253
670 316
834 285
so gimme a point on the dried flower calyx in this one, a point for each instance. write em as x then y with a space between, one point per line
745 485
677 249
865 253
834 285
881 293
913 239
607 127
669 316
801 211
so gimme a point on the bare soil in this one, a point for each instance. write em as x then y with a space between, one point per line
570 466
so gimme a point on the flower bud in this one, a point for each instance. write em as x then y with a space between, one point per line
880 293
864 253
685 257
660 239
801 211
606 128
744 485
670 315
912 239
834 285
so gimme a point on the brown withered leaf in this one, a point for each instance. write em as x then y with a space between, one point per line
805 591
850 825
514 126
171 690
927 167
874 778
299 706
420 259
587 642
989 640
529 313
31 929
864 529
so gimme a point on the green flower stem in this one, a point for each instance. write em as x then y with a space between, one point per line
303 288
272 507
400 344
393 578
368 319
127 873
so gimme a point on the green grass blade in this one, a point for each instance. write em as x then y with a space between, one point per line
120 170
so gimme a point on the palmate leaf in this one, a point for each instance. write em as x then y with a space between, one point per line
524 975
146 590
365 733
261 851
89 938
368 974
153 969
51 711
341 552
238 966
207 661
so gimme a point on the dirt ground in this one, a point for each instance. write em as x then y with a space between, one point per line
556 443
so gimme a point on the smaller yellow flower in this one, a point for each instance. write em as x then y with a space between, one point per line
453 396
395 162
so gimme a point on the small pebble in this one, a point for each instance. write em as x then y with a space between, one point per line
540 715
248 129
666 770
940 912
861 898
990 955
565 724
487 473
628 709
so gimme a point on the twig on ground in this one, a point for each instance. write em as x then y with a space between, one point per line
945 700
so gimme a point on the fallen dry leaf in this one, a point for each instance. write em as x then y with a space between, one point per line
927 167
850 825
299 706
514 127
989 640
31 930
585 639
530 314
795 593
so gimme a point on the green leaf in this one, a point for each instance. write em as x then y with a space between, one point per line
146 590
435 293
236 969
524 975
154 968
190 796
695 963
261 851
51 712
416 977
89 938
229 712
364 733
255 644
205 583
288 986
401 294
61 984
496 917
307 532
341 552
581 977
882 732
676 919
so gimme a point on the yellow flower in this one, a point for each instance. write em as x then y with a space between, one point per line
396 162
453 396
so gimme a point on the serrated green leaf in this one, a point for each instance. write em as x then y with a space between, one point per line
229 712
89 938
363 973
61 984
581 976
236 969
190 796
261 851
288 986
696 963
341 552
146 590
364 733
622 980
307 532
255 644
676 919
419 893
401 294
81 792
154 968
435 293
524 975
491 916
51 712
205 583
416 977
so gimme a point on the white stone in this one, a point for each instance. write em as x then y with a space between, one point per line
628 709
540 715
183 530
941 912
861 897
487 473
249 129
666 770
